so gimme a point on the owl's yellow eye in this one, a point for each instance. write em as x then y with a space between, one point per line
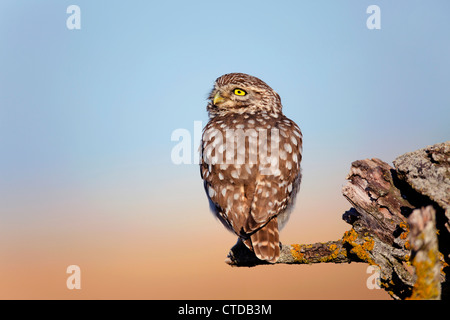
239 92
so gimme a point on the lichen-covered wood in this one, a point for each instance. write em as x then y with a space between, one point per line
400 223
425 256
331 251
427 171
380 227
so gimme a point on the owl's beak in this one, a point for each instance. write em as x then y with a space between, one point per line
217 98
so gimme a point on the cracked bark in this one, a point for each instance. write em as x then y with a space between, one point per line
400 223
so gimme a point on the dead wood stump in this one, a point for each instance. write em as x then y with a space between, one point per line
400 223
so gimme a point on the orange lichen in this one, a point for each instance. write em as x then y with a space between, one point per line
361 250
403 225
423 288
426 287
334 253
349 236
443 264
407 245
297 254
404 235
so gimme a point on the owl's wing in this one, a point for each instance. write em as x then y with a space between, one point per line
255 209
279 178
270 203
266 242
229 205
275 193
229 202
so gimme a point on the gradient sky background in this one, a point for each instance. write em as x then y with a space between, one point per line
86 118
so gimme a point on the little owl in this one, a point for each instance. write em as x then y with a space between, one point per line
250 161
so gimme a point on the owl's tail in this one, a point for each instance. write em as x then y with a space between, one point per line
266 242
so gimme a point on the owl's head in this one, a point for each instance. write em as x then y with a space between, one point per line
241 93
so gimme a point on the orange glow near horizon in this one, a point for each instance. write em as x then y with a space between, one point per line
141 260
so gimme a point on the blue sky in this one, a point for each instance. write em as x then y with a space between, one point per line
81 107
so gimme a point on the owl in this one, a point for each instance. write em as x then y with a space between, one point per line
250 157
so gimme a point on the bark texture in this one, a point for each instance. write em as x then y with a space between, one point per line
400 223
425 255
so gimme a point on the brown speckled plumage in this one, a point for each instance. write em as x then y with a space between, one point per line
250 161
